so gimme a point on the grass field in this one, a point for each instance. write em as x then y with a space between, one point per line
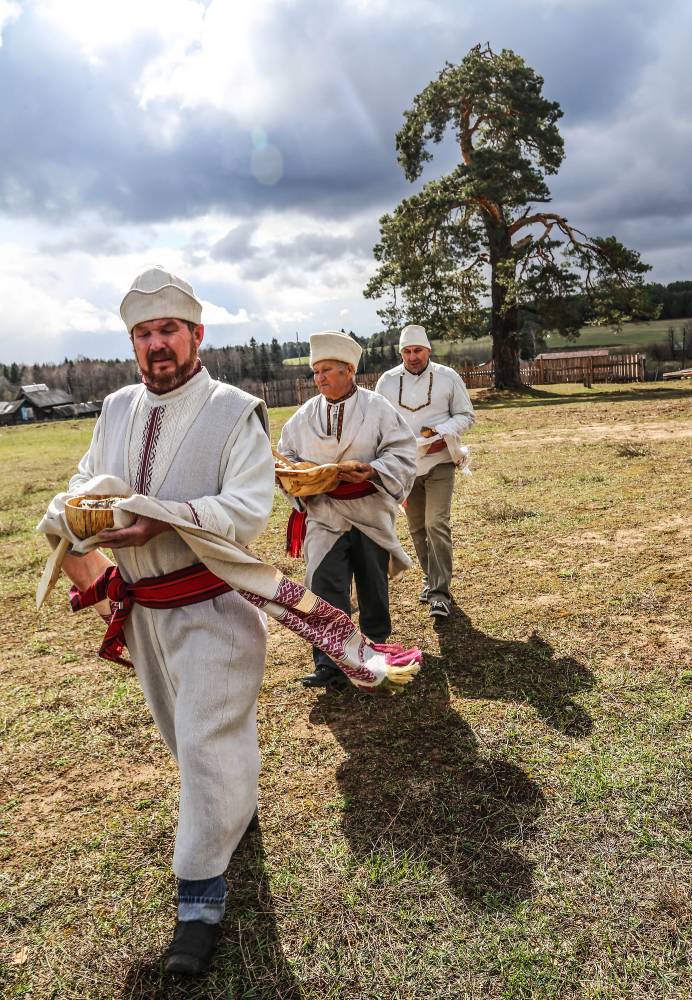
514 826
635 336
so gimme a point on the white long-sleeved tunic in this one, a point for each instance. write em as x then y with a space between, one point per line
437 397
200 666
364 428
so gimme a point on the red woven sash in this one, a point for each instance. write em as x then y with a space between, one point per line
295 533
172 590
352 491
437 446
298 520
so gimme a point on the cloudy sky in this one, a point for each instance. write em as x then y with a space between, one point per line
249 146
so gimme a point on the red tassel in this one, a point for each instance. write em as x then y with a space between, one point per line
295 533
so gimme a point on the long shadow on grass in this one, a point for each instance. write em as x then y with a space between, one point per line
419 797
250 961
481 666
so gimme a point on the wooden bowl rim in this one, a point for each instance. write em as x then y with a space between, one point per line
72 501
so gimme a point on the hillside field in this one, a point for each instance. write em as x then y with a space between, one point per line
515 826
635 336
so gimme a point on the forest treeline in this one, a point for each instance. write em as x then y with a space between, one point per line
92 379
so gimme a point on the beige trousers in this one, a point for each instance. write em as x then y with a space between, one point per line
427 511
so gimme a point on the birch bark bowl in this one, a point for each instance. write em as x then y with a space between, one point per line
87 521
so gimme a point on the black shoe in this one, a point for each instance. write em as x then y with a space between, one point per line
424 595
325 676
191 950
439 609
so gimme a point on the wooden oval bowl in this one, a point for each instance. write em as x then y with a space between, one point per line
309 482
84 522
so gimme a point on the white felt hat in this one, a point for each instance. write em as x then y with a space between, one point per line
158 294
414 336
330 345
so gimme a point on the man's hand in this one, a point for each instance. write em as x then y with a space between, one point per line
355 472
139 533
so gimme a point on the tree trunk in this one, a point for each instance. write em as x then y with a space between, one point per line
504 320
506 359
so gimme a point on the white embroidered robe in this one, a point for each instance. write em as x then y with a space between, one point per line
371 431
200 666
437 399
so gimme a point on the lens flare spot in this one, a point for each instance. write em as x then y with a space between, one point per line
267 165
259 138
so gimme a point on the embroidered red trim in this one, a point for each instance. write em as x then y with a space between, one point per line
194 513
150 439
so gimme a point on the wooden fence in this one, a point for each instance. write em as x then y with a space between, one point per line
546 371
588 370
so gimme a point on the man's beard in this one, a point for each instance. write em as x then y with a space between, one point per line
167 381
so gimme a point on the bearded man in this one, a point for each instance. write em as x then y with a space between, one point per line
350 531
182 436
433 401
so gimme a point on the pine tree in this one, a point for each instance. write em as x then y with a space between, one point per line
264 373
276 359
438 247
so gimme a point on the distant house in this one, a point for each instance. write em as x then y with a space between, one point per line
9 412
89 409
38 402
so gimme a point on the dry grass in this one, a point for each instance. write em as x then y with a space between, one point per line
512 827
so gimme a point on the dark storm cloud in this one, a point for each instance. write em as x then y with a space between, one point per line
235 245
74 139
100 242
287 258
79 140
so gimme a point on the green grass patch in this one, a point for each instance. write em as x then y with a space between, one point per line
514 827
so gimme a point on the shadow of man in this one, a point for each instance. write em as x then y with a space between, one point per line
481 666
417 791
250 960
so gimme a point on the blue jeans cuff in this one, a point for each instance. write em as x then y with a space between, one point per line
208 913
202 899
203 890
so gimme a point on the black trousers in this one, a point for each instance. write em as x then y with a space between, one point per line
354 555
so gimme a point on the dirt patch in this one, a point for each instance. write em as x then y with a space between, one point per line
79 785
589 434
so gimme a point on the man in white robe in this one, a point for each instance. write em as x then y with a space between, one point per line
435 404
183 436
350 532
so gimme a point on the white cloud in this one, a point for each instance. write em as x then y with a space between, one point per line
221 65
218 316
101 27
9 12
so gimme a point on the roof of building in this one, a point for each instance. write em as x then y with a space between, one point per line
41 396
77 409
11 407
